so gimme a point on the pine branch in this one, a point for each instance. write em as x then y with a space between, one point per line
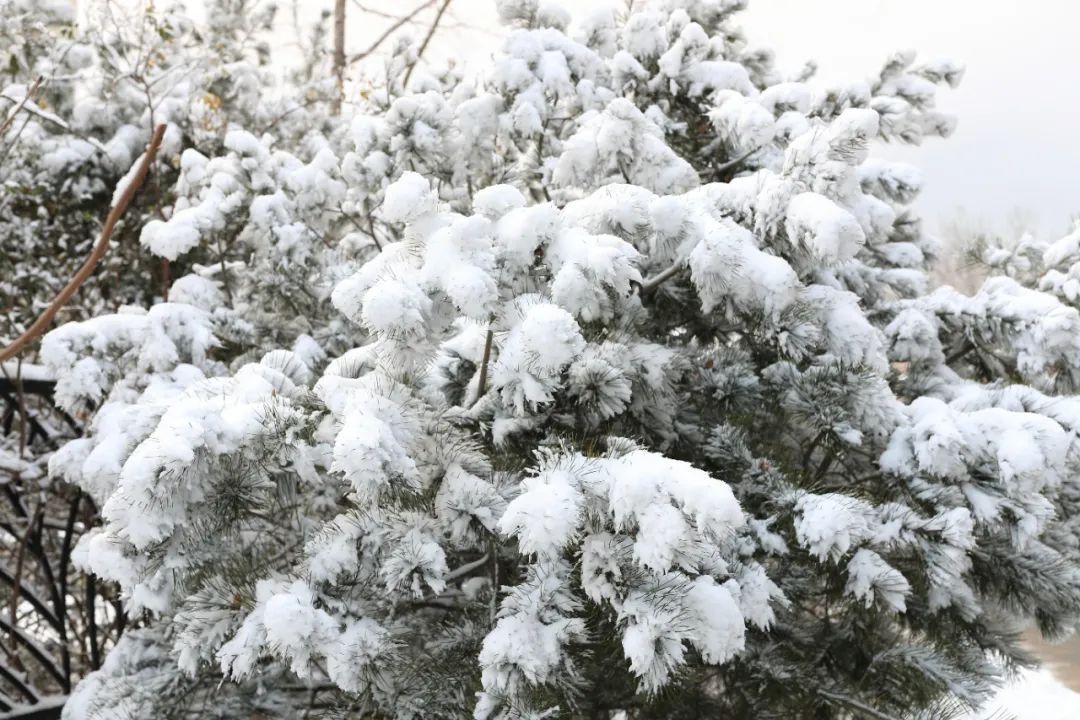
855 705
966 347
466 568
650 284
719 170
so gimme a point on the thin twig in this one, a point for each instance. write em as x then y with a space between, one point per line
390 31
16 583
28 594
371 232
424 44
33 648
374 11
457 24
58 122
30 93
35 546
854 704
115 213
14 141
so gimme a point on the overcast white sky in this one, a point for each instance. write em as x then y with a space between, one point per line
1017 147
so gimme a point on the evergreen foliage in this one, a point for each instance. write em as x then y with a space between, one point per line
605 383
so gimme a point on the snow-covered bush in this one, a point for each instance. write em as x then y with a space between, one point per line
79 95
605 383
88 95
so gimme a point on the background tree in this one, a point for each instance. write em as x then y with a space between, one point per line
80 98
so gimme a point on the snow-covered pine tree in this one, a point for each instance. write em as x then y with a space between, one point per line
1010 345
637 405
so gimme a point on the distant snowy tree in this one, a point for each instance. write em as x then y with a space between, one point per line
605 383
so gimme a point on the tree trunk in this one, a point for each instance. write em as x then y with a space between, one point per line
339 54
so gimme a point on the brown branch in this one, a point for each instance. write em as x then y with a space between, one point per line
424 44
494 552
482 382
115 213
166 279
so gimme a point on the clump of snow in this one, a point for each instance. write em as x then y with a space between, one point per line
830 525
407 199
535 354
818 224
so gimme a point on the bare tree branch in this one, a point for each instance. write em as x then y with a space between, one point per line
115 213
427 39
390 31
30 93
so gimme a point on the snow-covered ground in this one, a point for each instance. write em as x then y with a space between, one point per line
1035 695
